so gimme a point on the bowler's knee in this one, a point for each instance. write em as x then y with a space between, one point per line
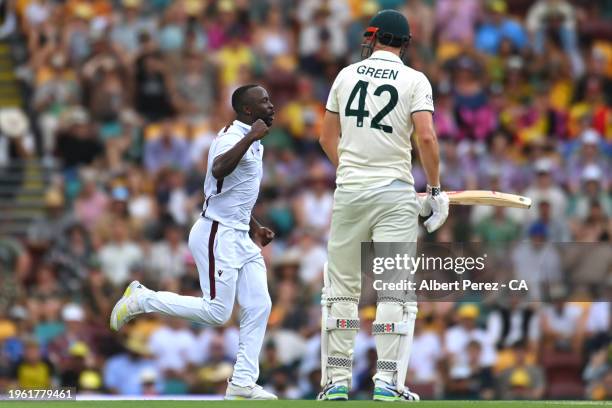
260 309
220 314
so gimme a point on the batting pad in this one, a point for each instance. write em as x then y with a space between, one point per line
393 331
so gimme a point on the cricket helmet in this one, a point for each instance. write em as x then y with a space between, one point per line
388 27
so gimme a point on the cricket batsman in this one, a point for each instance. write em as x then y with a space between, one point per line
373 108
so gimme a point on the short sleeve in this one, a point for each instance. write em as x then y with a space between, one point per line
332 100
225 142
422 96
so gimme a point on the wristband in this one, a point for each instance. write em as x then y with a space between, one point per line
433 191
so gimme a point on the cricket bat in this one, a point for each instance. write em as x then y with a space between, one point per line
485 197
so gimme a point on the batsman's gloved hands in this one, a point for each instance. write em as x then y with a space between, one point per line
436 204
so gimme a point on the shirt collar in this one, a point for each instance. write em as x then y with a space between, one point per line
386 55
242 126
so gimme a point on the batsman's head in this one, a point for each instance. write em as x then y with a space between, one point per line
252 102
389 28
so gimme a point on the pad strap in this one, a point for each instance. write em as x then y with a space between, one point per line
342 299
334 323
390 328
386 365
340 362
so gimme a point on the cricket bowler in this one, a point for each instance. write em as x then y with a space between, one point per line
373 108
229 262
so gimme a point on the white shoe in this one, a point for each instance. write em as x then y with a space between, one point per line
127 307
253 392
334 392
386 392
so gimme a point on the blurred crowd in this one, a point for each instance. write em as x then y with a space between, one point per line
126 96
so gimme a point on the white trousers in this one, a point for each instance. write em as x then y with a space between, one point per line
231 267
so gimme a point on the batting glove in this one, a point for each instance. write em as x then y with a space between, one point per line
436 204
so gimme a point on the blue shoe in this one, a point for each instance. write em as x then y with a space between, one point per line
387 393
333 392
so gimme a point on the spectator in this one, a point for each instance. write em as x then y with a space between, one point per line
323 27
33 371
73 366
91 202
470 379
499 230
424 365
132 372
475 117
16 141
167 257
70 256
172 346
233 57
537 262
497 27
511 322
544 188
456 21
314 207
559 230
558 15
593 191
98 290
166 150
142 207
197 84
589 155
225 335
312 259
8 24
272 38
119 254
155 96
90 382
563 323
303 117
75 330
57 89
522 381
128 25
598 322
455 164
14 264
458 337
215 365
44 304
77 143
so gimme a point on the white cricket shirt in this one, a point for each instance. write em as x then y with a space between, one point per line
231 199
375 99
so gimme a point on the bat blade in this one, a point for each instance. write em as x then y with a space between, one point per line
485 197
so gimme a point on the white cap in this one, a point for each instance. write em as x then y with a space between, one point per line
592 172
73 313
148 375
13 122
543 165
590 136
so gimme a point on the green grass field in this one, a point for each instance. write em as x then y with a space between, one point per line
292 404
